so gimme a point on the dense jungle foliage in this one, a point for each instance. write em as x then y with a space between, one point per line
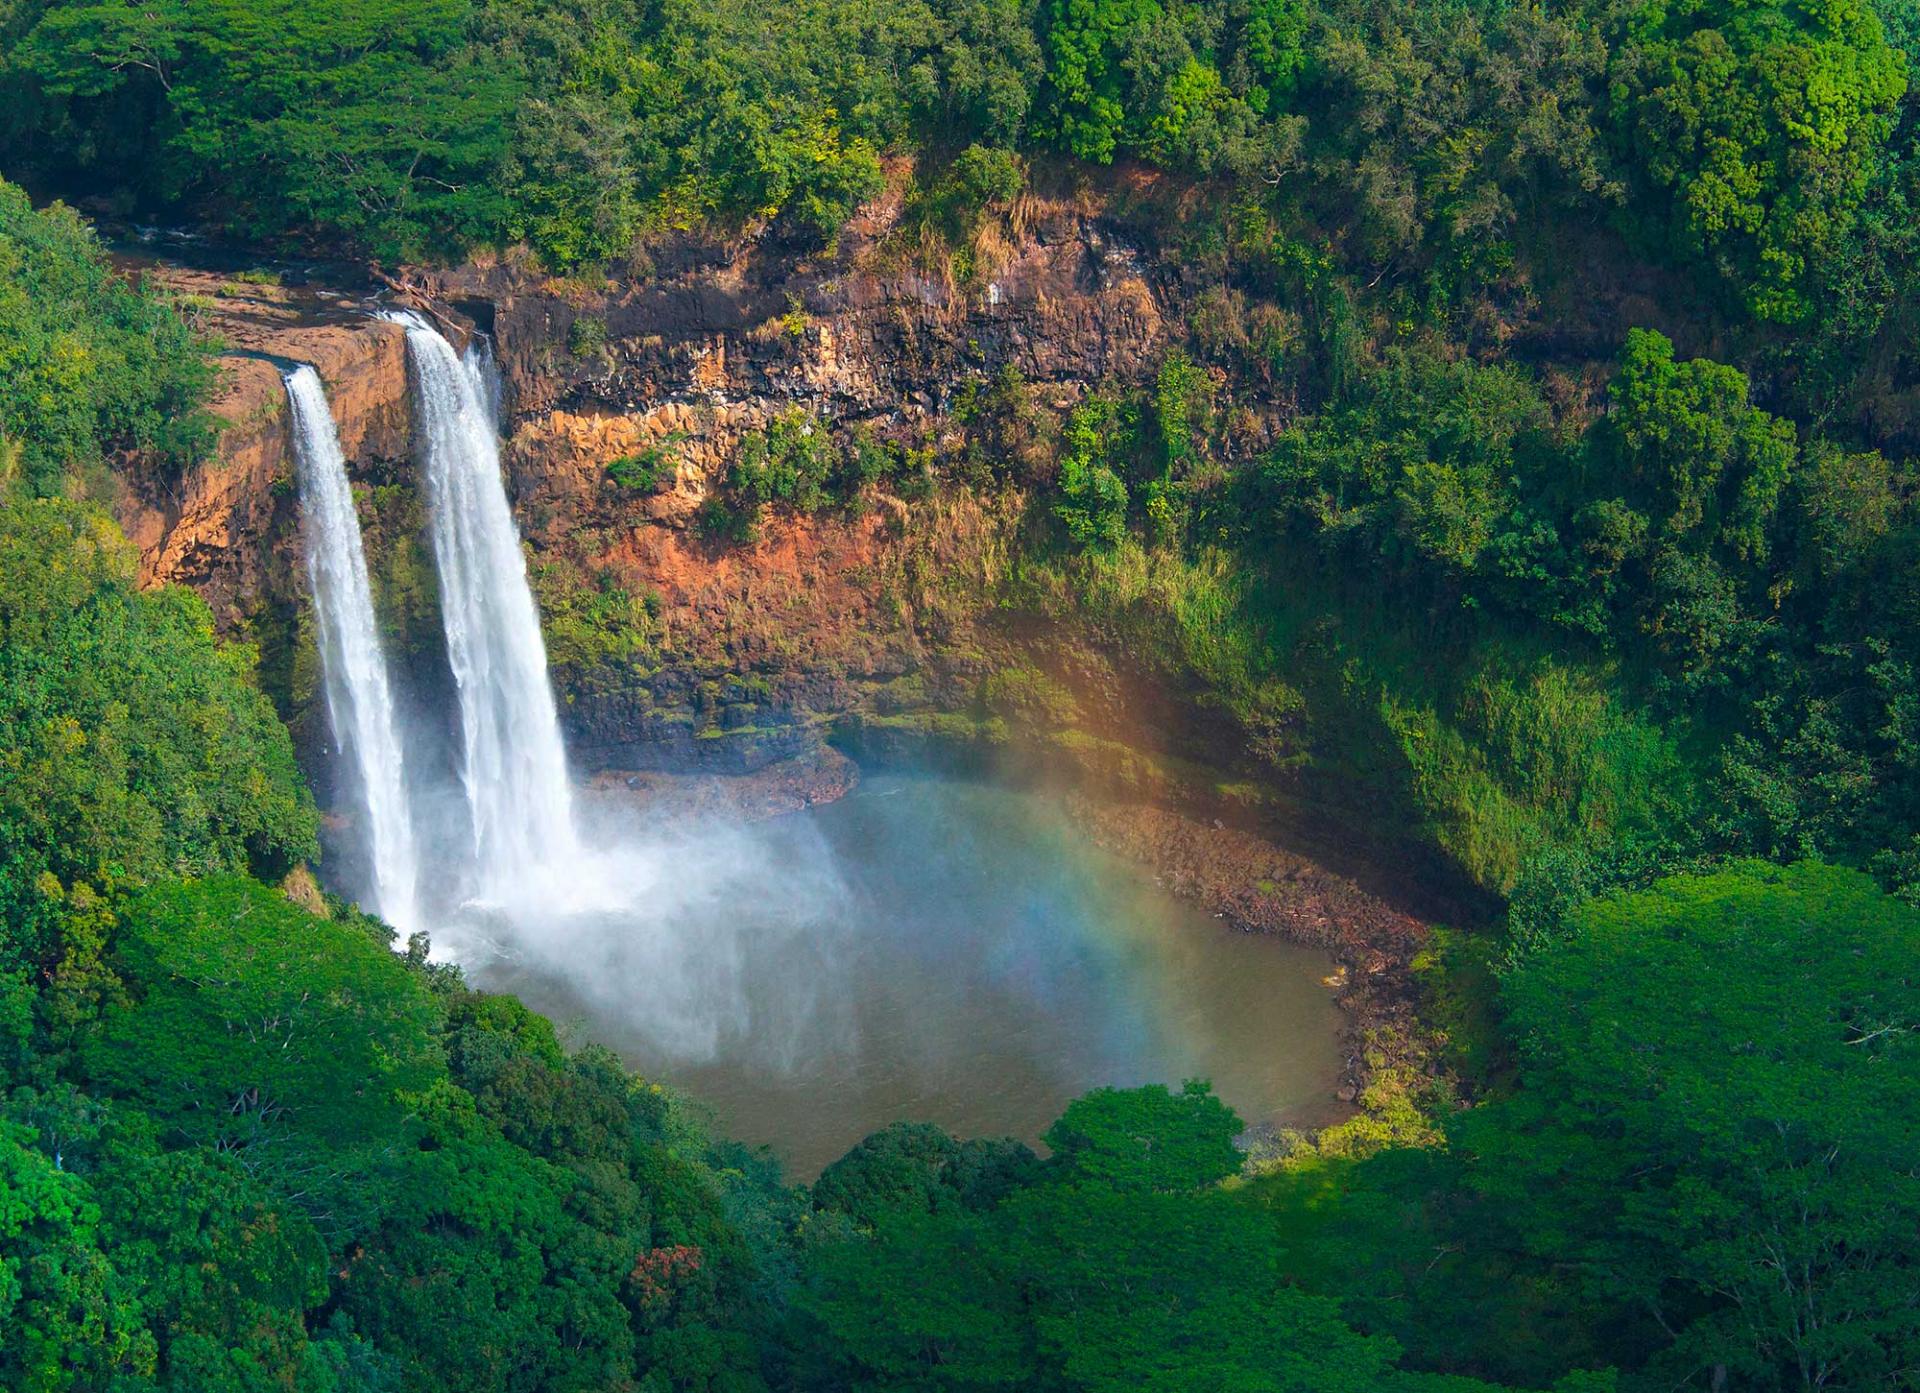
1622 626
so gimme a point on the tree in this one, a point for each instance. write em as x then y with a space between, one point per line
260 1030
1420 465
137 745
915 1167
925 1303
479 1274
1084 41
1437 126
367 117
1120 1265
1705 465
977 82
65 1320
1173 1291
1712 1126
88 363
1147 1139
1093 502
1138 77
1762 120
225 1276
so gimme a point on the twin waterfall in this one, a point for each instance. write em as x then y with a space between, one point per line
353 669
513 770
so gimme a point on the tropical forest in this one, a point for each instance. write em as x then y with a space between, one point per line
959 696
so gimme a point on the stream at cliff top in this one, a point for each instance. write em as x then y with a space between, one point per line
922 949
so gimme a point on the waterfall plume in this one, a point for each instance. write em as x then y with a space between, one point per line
358 691
709 938
514 766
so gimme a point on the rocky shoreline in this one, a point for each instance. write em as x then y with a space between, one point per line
1258 886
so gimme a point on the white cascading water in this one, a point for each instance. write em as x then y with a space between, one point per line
515 766
354 670
624 908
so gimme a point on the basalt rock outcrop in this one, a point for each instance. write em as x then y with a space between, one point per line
744 652
218 525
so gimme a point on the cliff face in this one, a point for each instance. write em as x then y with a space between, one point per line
220 527
670 645
867 617
872 623
1068 303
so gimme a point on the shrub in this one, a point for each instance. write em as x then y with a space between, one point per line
644 471
1093 498
587 336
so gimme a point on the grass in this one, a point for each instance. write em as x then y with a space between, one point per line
1479 742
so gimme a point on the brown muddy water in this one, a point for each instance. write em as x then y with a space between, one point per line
924 949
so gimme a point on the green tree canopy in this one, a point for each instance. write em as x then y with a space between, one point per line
1713 1126
1705 465
138 746
253 1025
88 364
1120 1265
64 1321
1147 1139
369 116
1762 120
915 1167
1142 78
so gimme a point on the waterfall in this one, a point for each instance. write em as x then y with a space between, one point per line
515 768
354 671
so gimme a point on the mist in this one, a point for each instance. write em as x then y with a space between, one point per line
703 940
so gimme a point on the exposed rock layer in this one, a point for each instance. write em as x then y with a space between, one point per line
872 628
754 649
216 525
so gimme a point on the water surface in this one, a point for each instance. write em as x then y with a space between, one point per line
927 949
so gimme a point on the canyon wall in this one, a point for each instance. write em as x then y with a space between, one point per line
876 625
671 645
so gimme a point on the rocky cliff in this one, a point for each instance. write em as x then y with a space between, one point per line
874 625
215 528
671 644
